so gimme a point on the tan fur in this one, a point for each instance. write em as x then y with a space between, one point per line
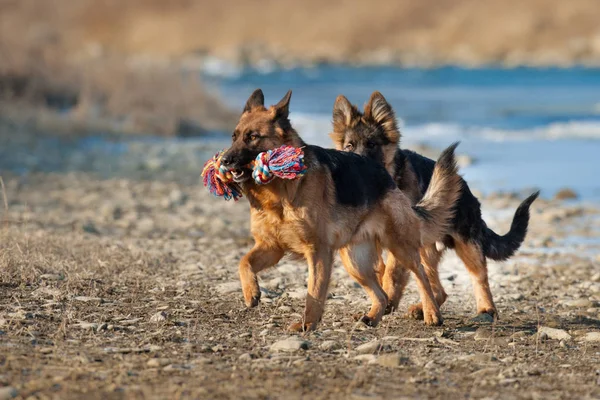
438 201
302 216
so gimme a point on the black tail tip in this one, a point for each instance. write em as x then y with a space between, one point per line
529 200
446 159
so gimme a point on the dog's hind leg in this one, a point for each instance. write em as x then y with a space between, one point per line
394 281
409 259
472 255
430 258
319 274
359 260
260 257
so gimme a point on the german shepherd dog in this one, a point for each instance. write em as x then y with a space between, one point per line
343 202
374 134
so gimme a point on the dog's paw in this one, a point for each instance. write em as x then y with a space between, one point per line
253 301
302 327
365 319
389 309
415 312
433 318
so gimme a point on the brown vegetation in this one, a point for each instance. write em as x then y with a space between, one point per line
426 32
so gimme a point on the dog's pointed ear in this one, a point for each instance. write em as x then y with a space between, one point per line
380 112
282 109
256 99
343 113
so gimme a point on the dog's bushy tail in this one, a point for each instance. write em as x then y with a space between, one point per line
500 248
437 207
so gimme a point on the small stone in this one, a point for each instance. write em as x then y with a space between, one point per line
577 303
88 325
158 362
369 348
51 277
553 333
368 358
330 345
483 334
177 198
565 194
478 358
159 317
246 357
483 318
297 294
229 287
89 227
88 299
291 344
8 392
591 337
391 360
285 309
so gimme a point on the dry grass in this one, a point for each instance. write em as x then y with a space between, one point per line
106 91
542 32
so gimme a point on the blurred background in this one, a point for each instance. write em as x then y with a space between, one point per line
149 89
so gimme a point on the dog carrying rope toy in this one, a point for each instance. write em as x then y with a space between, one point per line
285 162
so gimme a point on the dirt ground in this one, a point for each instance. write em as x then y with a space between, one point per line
126 287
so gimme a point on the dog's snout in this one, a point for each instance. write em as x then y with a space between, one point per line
226 160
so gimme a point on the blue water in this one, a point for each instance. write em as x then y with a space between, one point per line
526 127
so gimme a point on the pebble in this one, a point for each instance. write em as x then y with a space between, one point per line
88 299
591 337
159 317
553 333
391 360
483 318
297 294
577 303
158 362
246 357
478 358
291 344
483 333
8 392
88 325
51 277
228 287
369 348
368 358
329 345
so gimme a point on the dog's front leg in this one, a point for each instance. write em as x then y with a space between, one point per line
319 274
260 257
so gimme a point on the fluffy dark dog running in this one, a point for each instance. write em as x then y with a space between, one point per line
374 133
343 202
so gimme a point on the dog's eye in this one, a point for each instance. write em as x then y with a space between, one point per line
370 144
254 136
349 147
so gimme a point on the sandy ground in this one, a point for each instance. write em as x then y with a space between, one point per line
126 287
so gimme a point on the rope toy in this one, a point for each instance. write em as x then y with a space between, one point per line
285 162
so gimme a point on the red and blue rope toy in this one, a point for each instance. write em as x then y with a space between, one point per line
285 162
